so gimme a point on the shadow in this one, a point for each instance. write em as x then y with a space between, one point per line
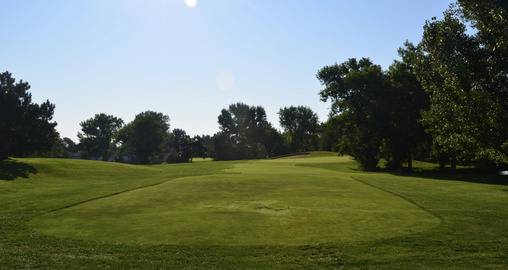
462 175
11 169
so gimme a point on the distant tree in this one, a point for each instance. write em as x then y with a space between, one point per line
198 147
330 133
179 147
243 129
274 142
224 147
25 127
301 125
145 136
97 135
208 144
69 145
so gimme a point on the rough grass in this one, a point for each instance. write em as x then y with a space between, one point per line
464 218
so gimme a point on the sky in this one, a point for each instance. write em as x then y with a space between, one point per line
189 59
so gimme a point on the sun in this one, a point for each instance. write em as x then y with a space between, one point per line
191 3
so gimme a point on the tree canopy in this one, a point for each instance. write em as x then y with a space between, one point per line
245 133
301 125
466 76
97 134
25 127
144 136
376 111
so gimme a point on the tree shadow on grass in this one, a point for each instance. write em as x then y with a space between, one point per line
462 175
11 169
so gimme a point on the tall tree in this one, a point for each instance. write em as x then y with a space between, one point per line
301 125
330 133
490 19
242 130
179 147
356 89
198 147
25 127
405 136
274 142
466 77
97 135
145 136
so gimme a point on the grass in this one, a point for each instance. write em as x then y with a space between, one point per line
310 212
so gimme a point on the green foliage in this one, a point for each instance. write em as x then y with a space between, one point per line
405 135
300 125
245 134
145 136
179 147
357 90
25 127
198 147
466 76
331 131
63 148
97 134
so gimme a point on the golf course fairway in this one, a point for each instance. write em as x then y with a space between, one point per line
293 201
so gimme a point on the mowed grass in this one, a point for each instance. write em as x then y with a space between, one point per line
254 203
312 212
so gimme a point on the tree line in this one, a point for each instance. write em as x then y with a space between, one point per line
244 133
445 101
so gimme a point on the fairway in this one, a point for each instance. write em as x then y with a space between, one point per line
269 202
314 212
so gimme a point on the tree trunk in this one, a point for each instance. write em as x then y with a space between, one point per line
454 162
4 154
410 163
442 165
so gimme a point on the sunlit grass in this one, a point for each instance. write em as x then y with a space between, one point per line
257 203
306 213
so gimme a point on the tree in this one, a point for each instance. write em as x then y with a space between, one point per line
405 136
145 136
301 125
69 145
179 147
356 89
198 147
466 76
490 19
25 127
331 131
274 142
97 135
242 132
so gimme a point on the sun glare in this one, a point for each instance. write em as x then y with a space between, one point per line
191 3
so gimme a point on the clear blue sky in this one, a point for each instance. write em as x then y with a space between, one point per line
123 57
